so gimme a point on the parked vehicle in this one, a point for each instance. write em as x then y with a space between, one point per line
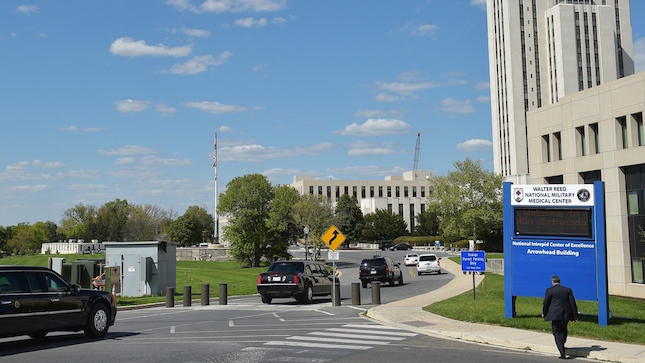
401 247
383 269
428 263
383 246
411 259
301 280
36 300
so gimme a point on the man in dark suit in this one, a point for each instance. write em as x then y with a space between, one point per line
559 308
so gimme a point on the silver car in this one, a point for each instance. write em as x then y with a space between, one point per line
428 263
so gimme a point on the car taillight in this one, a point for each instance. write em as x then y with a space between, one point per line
418 264
295 279
387 269
438 263
259 279
360 272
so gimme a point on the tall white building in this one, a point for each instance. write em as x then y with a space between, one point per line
543 50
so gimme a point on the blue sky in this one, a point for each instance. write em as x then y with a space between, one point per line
120 99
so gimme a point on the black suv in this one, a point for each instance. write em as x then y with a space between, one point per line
383 269
301 280
36 300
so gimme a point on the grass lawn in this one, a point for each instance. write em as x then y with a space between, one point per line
627 325
240 281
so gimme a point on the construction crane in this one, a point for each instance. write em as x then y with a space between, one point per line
416 155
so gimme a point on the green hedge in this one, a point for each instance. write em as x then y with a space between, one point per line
420 241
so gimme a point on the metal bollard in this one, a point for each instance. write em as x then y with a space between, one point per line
170 297
337 299
223 293
205 294
188 295
376 293
356 293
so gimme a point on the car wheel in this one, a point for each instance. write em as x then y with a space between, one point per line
439 272
391 282
364 283
401 280
98 321
266 299
38 336
308 295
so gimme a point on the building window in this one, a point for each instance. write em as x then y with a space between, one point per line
414 192
329 191
591 176
423 208
401 210
423 192
638 127
311 189
595 139
371 191
581 142
389 192
389 208
363 192
346 189
398 192
405 192
380 192
558 179
337 193
635 189
354 192
622 131
320 190
546 148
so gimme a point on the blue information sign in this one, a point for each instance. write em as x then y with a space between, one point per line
474 261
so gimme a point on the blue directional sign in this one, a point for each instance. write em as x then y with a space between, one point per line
473 261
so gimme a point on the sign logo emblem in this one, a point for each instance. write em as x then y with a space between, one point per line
518 194
583 195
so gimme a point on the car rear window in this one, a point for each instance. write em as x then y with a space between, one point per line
288 267
373 262
428 258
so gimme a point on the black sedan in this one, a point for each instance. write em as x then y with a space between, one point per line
36 300
401 247
301 280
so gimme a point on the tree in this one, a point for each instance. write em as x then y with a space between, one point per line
468 202
384 225
79 222
349 218
428 223
145 222
316 213
281 224
246 205
111 219
5 235
194 226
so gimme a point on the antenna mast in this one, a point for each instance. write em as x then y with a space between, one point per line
416 153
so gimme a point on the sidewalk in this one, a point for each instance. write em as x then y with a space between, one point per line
408 314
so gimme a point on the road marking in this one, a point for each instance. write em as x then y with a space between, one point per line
359 331
231 323
278 317
172 329
371 326
324 312
357 336
412 272
356 307
340 340
317 345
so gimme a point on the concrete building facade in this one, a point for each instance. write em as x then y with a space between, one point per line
594 135
404 195
543 50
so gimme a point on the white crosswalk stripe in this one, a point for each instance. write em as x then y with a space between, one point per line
349 336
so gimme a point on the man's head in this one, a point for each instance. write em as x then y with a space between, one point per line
555 280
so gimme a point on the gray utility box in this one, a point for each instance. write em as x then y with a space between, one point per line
141 268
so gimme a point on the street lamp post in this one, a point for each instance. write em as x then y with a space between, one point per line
306 230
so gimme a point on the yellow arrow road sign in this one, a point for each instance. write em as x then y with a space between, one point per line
333 238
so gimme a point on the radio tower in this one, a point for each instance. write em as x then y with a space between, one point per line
416 156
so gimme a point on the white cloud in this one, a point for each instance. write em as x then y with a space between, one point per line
199 64
129 150
481 3
407 89
482 85
251 22
27 9
377 113
124 161
94 129
376 127
127 47
256 153
53 165
132 173
165 110
639 55
225 129
215 107
280 174
450 105
131 105
370 152
259 67
155 161
279 20
483 99
383 97
221 6
369 170
31 188
70 128
475 145
426 30
197 33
